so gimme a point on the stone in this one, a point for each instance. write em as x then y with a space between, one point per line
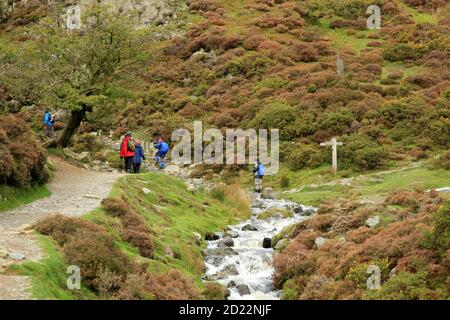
224 251
146 191
168 251
308 212
226 242
243 289
4 253
249 227
215 260
373 221
320 241
232 234
227 294
229 270
197 238
231 284
16 255
267 243
280 244
298 209
268 193
211 236
392 272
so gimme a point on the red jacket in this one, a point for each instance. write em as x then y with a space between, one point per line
124 152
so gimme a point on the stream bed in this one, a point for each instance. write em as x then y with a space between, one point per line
241 258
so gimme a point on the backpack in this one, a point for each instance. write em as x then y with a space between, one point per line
130 146
164 147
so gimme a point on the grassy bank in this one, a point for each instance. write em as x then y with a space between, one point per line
15 197
171 213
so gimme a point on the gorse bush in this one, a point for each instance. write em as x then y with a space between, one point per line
22 160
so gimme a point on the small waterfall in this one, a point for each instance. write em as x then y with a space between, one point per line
239 261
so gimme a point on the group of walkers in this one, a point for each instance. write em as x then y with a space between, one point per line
133 153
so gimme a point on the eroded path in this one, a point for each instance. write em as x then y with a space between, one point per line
75 191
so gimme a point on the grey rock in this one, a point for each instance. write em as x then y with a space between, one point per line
227 294
215 260
168 251
16 255
232 234
229 270
197 238
243 289
280 245
373 221
225 251
308 212
320 241
267 193
146 191
393 272
231 284
249 227
226 242
298 209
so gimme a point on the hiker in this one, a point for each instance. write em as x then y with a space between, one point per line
127 151
138 156
163 149
49 122
258 170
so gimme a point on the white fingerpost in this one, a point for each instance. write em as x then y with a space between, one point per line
333 143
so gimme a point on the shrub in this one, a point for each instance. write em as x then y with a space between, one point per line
365 153
62 228
135 231
275 116
284 182
304 156
337 122
95 253
218 193
442 161
22 161
439 238
400 52
214 291
439 132
172 285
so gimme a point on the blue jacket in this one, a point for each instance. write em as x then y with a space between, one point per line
138 154
162 147
48 119
260 169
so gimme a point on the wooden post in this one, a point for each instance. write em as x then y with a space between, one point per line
333 143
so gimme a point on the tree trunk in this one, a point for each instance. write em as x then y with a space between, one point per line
76 116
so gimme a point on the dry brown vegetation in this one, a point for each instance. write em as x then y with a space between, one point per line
406 250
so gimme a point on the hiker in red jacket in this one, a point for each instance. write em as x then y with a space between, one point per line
127 151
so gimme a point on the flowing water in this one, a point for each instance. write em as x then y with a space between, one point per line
246 267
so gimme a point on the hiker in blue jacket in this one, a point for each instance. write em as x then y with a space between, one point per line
163 149
49 122
259 171
138 156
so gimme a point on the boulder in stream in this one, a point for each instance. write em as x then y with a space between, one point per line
267 243
211 236
308 212
229 270
298 209
232 234
243 289
231 284
226 242
249 227
267 193
224 251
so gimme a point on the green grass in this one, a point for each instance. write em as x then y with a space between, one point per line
417 16
372 185
173 213
49 277
15 197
